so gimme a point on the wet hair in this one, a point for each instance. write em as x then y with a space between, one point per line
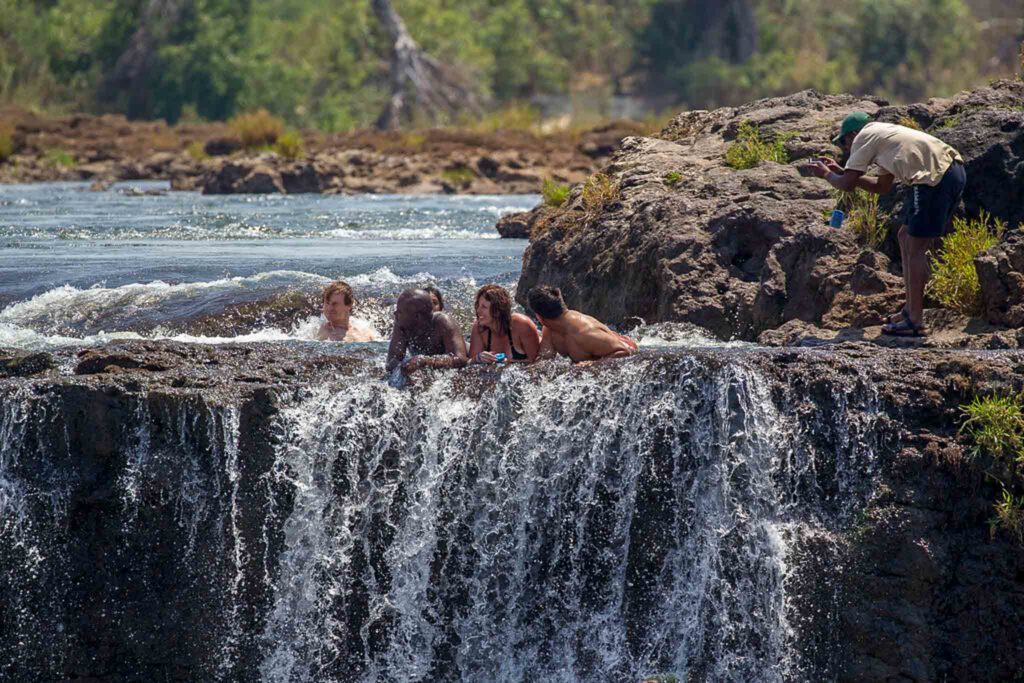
338 287
431 289
546 301
501 306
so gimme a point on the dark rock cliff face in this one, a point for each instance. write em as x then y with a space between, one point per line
191 513
740 252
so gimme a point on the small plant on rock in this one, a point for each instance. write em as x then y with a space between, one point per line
598 192
1009 516
908 122
290 145
257 129
954 283
750 148
58 156
995 425
459 176
554 194
863 217
197 151
672 178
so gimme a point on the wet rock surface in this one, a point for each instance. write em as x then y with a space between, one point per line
743 252
893 572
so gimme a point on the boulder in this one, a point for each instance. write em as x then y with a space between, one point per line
1001 276
520 225
687 238
242 177
21 364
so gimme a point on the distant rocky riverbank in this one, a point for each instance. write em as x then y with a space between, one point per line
208 157
747 254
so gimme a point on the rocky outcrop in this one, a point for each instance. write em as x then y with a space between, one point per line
1001 276
522 224
740 252
210 158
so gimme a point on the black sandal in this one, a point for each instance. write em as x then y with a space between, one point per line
904 328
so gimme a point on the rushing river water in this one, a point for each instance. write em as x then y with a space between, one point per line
79 266
541 524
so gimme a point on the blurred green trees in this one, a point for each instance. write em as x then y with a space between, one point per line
324 64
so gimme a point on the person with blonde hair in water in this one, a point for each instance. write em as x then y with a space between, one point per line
574 334
498 334
338 323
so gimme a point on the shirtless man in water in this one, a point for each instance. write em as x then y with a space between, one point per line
338 323
433 338
573 334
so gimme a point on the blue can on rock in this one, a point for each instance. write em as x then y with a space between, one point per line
837 219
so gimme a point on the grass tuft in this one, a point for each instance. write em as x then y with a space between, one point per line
750 148
954 282
947 123
672 178
516 116
256 129
197 151
554 194
1009 515
58 156
459 176
290 145
908 122
862 217
6 141
995 425
598 192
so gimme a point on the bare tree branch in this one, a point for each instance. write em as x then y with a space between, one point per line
439 90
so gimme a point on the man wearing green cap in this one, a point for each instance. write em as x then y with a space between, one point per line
934 173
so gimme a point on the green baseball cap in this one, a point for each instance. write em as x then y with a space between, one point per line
853 122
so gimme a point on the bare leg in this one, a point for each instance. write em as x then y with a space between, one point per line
916 272
902 236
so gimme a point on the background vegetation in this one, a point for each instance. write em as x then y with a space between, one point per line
324 64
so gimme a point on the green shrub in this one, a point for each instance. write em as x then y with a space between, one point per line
197 150
863 218
256 129
750 148
672 178
954 283
458 176
995 425
554 194
598 191
949 122
57 156
6 141
290 145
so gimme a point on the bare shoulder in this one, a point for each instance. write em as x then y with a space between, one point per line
522 322
322 333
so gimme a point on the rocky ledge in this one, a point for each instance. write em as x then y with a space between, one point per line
209 158
747 254
894 574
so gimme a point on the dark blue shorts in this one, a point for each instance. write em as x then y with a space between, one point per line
928 210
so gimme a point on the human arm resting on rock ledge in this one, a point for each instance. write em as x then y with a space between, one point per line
454 346
396 349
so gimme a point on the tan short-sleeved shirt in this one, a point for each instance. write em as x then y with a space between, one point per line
913 157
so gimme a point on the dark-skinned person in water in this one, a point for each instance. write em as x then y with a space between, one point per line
498 334
433 338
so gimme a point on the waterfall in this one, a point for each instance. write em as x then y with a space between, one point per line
604 523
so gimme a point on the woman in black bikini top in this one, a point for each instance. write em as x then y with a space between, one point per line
498 330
